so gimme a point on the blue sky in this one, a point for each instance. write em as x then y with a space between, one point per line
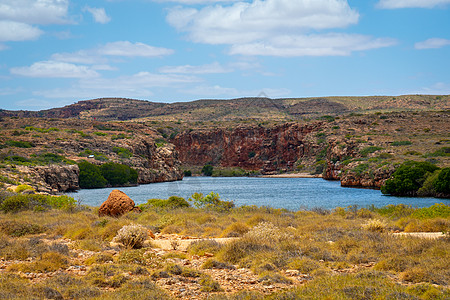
57 52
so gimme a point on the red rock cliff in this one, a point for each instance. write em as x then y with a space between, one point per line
251 148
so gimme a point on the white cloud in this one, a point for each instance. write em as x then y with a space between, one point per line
312 45
80 57
99 14
195 1
393 4
432 43
16 31
125 48
3 47
276 27
213 68
34 11
54 69
121 48
246 22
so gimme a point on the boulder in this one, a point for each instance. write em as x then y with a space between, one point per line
117 204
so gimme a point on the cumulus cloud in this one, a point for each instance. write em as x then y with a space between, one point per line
16 31
432 43
99 55
276 27
34 11
246 22
126 48
54 69
213 68
394 4
195 1
99 14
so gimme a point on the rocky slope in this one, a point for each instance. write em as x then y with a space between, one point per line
360 150
42 152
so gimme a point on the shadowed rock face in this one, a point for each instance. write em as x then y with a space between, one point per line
117 204
251 148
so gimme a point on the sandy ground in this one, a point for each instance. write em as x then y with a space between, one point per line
425 235
292 175
182 244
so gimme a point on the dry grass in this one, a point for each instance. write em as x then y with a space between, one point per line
271 241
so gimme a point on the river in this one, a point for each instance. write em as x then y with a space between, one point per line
289 193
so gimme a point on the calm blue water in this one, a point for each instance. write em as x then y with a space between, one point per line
289 193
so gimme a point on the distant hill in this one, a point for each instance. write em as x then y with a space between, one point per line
106 109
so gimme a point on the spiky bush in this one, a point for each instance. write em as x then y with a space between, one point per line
375 225
132 236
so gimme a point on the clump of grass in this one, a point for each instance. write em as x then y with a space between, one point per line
132 236
236 229
48 262
214 264
209 285
269 278
204 246
375 225
305 265
139 257
20 228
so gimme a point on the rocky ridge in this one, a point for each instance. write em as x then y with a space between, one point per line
68 141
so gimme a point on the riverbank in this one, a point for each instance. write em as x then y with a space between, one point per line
293 175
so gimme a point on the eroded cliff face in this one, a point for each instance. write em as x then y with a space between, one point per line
251 148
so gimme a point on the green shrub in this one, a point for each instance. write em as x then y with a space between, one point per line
172 203
371 149
19 144
90 176
118 174
438 210
17 159
211 201
37 202
207 170
122 152
442 183
408 178
444 151
23 187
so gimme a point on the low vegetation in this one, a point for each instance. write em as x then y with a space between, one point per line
346 253
108 174
414 178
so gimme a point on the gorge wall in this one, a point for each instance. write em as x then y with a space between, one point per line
268 150
290 147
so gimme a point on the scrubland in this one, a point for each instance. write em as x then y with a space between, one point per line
63 250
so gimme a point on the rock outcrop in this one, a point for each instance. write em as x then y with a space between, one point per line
52 178
251 148
117 204
372 179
